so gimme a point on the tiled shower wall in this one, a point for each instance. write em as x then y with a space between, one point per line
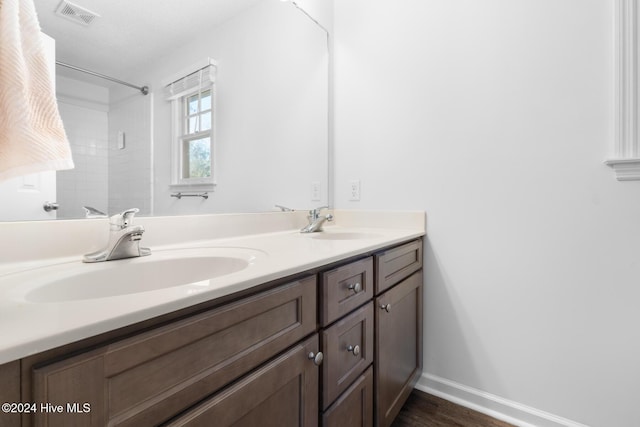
86 123
105 177
130 167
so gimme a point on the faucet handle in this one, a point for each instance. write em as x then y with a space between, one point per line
315 213
123 219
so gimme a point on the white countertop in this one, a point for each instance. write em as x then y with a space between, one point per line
28 327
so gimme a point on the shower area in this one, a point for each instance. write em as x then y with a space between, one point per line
109 127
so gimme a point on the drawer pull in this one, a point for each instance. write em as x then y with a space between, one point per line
316 357
355 350
386 307
355 287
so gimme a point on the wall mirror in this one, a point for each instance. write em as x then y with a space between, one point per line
270 112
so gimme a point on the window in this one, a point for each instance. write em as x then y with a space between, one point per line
195 139
193 112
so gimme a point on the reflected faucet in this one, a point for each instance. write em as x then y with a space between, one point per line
316 220
124 239
90 212
284 208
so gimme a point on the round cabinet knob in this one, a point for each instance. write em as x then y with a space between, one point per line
316 357
355 287
355 350
386 307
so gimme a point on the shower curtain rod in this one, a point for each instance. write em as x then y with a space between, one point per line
143 89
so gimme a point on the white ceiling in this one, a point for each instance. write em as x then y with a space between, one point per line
129 32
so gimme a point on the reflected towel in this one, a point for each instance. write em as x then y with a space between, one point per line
32 137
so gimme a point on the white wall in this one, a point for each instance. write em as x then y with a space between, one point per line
495 117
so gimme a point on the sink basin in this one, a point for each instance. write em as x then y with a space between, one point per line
338 235
162 270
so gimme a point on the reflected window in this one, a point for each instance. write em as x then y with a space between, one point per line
193 99
195 142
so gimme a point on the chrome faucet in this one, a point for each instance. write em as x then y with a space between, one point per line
124 239
316 220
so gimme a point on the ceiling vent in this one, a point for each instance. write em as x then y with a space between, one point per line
75 13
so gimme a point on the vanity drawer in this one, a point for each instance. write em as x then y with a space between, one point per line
344 289
396 264
355 407
348 350
150 377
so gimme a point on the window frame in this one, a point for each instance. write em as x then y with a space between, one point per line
181 136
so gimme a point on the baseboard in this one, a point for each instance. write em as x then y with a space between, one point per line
492 405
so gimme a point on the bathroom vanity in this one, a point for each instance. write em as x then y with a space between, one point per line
336 341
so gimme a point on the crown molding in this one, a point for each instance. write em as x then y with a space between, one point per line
625 169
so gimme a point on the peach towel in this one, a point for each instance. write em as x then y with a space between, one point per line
32 137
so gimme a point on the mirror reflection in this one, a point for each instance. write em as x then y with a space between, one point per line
251 133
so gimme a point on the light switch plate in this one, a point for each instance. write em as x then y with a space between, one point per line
354 190
316 194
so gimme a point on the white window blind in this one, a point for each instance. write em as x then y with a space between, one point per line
193 82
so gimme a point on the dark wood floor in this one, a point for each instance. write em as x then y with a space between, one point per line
426 410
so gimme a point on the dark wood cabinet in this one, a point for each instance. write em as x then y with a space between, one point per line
247 359
10 392
355 407
348 350
386 312
344 289
284 392
398 352
394 264
148 378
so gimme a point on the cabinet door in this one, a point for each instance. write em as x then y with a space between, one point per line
10 392
152 376
355 407
398 353
284 392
